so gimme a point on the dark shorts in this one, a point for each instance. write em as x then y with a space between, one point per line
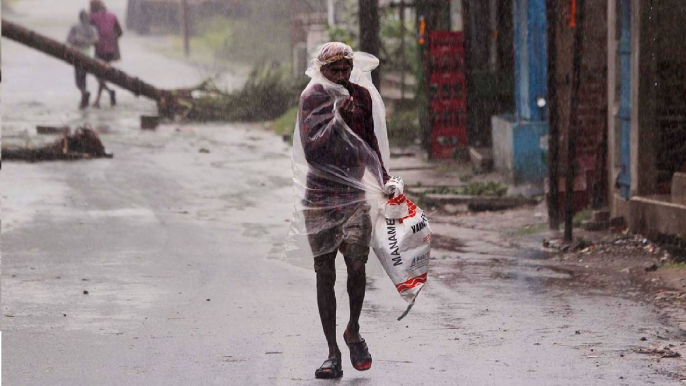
350 233
108 57
80 76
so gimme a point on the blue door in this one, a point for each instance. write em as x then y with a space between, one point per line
531 58
624 51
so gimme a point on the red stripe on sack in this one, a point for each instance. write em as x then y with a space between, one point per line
411 209
411 283
397 200
410 286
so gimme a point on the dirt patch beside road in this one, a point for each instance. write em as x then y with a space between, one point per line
625 265
633 267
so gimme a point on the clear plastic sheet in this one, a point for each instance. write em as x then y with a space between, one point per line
337 175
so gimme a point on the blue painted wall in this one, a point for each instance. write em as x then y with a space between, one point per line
524 138
530 159
530 58
624 50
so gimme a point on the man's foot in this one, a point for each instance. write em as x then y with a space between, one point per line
359 352
113 98
96 104
330 369
85 99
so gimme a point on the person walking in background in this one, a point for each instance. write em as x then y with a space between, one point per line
82 36
107 48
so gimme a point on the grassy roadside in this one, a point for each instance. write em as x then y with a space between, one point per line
533 229
676 267
284 125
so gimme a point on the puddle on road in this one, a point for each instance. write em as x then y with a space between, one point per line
455 269
530 273
473 261
537 254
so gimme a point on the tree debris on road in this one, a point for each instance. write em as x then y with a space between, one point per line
665 352
83 144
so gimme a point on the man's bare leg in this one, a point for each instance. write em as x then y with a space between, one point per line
101 86
326 300
85 96
357 281
359 352
96 103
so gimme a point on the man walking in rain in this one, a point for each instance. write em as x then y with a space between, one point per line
107 48
82 36
337 160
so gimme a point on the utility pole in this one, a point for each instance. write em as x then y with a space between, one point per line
402 6
369 33
331 12
186 27
578 23
553 121
402 50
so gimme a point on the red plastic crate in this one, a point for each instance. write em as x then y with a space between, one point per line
447 87
446 41
446 92
446 63
452 114
452 76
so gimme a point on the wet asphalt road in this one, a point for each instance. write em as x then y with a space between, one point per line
180 252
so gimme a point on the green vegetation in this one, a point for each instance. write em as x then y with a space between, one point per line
348 28
262 35
390 32
677 266
285 124
531 230
581 217
267 94
403 128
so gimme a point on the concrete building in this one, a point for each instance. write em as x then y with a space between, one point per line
647 115
590 184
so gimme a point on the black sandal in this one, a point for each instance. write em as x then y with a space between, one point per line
330 369
360 357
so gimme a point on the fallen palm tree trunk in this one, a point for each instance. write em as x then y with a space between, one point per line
83 144
167 100
266 95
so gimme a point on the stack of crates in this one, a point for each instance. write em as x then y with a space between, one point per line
446 92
